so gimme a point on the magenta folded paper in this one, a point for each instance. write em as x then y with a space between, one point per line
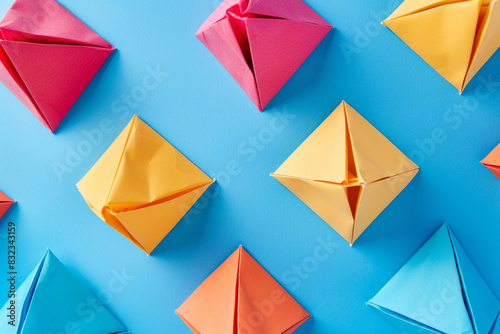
261 43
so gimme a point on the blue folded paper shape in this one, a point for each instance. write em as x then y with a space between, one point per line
439 291
52 300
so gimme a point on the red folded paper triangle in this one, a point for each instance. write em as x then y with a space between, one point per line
48 57
261 43
5 204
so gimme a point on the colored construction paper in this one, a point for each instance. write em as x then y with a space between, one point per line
52 300
492 161
456 38
347 172
241 297
48 57
438 291
5 204
142 185
261 43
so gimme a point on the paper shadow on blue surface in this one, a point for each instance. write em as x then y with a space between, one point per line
190 228
78 108
306 327
305 76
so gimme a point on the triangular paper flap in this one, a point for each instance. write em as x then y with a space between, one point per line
442 36
493 158
151 169
46 21
70 67
487 40
495 171
295 10
322 156
431 274
482 305
96 184
328 201
409 7
376 157
110 218
11 79
4 207
22 301
375 197
5 199
278 49
151 224
221 40
57 301
406 325
296 326
259 292
211 307
218 14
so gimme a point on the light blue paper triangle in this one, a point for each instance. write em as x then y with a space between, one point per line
22 300
483 306
427 289
61 304
404 324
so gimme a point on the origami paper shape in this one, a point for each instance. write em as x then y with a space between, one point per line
5 203
438 291
241 297
48 57
142 185
347 172
51 300
261 43
456 38
492 161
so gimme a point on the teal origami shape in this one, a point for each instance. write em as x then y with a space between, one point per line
439 291
52 301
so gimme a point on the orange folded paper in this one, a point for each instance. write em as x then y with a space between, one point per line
455 37
48 57
240 297
142 185
492 161
5 204
347 172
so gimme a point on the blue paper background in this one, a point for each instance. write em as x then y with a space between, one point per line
201 110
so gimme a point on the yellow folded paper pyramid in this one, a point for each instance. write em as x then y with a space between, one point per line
142 185
455 37
347 172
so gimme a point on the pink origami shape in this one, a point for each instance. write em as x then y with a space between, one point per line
5 204
48 57
261 43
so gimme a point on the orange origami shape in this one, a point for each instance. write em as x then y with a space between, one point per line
48 57
347 172
142 185
240 297
5 204
492 161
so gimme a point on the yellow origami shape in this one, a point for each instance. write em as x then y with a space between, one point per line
347 172
455 37
142 185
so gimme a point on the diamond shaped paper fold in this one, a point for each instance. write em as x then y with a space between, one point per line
142 185
492 161
5 204
241 297
347 172
261 43
455 37
438 291
48 57
51 300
